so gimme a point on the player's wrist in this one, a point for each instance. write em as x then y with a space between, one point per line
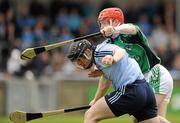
116 32
117 29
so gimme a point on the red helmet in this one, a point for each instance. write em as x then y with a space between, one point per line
111 13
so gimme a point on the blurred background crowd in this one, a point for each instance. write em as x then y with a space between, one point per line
33 23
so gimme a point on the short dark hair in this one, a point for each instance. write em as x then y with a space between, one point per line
77 49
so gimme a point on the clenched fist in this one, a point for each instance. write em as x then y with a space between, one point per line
108 31
108 60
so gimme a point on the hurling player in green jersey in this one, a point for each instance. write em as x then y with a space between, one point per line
130 37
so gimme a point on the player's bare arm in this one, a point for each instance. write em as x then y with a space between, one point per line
126 29
103 86
111 30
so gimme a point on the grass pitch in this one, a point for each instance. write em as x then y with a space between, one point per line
78 118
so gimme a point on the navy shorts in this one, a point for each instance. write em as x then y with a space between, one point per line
135 99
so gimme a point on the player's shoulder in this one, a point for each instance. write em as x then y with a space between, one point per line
105 45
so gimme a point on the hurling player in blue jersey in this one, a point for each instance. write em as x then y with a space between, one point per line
132 94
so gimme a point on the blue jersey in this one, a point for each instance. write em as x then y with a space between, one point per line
124 72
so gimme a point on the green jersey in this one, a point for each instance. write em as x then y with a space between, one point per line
138 48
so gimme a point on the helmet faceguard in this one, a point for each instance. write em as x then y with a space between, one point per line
77 51
111 14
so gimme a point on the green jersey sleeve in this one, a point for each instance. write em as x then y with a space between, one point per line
142 38
138 48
